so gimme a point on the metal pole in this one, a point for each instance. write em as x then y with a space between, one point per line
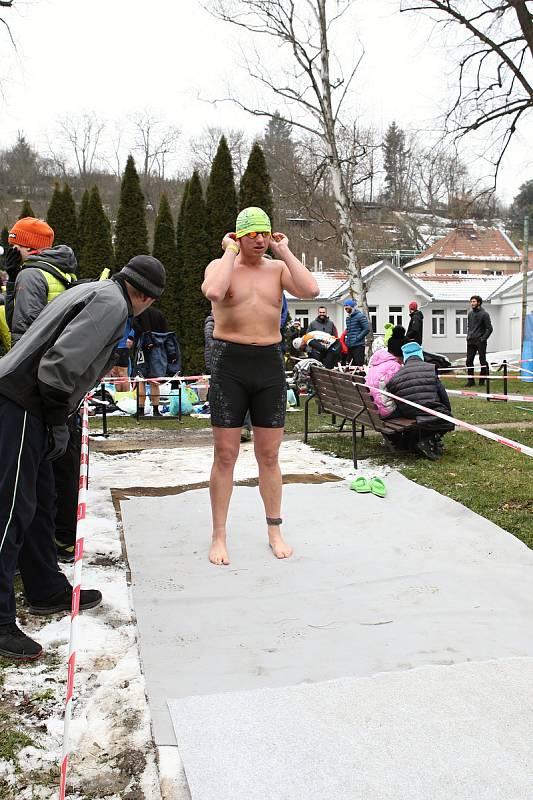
525 264
505 378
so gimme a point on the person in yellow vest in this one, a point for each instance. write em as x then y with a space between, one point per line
5 335
37 271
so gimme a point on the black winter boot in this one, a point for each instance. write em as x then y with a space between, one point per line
16 645
62 601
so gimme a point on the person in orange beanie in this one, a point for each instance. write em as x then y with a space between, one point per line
37 272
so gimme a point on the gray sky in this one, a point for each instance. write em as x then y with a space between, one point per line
119 57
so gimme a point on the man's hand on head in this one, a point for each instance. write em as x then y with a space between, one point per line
230 241
278 242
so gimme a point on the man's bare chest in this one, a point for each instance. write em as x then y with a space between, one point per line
254 287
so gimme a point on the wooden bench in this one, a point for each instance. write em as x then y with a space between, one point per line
347 397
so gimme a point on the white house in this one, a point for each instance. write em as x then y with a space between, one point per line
443 299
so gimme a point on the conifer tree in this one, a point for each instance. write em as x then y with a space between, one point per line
255 184
195 257
26 210
82 220
61 216
131 233
97 251
179 258
165 250
54 213
70 222
395 163
221 199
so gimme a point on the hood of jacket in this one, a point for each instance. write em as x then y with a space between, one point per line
61 257
381 356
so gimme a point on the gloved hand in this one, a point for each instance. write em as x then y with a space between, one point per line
13 260
58 436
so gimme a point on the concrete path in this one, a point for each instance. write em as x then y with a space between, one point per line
375 586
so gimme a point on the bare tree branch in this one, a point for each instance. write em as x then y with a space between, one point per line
494 84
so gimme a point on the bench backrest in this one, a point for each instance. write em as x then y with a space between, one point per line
370 405
338 394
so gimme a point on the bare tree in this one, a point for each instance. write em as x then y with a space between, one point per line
81 135
303 28
115 145
495 90
155 141
204 147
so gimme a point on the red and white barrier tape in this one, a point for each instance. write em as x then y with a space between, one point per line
139 379
483 396
521 369
76 588
521 448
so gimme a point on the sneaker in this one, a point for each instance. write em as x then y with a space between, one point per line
65 552
15 644
62 601
246 435
425 449
157 413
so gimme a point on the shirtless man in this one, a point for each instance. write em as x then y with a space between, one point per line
247 370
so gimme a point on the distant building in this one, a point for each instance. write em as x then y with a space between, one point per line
468 249
443 299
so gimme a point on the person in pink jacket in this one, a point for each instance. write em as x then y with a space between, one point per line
383 365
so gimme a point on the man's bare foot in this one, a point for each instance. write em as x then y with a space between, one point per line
279 547
217 553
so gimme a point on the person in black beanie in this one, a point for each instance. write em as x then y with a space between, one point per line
43 379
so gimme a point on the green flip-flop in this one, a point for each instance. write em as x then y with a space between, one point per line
361 485
377 487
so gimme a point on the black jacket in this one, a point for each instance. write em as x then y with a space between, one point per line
150 320
479 326
416 381
416 327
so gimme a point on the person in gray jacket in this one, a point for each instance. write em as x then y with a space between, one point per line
479 328
323 323
42 277
43 379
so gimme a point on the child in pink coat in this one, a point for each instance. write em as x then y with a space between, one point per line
383 365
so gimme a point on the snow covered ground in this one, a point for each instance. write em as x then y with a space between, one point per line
113 756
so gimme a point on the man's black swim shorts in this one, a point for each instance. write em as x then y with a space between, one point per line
247 377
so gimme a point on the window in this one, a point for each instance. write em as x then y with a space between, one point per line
461 323
437 322
460 272
395 315
303 315
373 317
